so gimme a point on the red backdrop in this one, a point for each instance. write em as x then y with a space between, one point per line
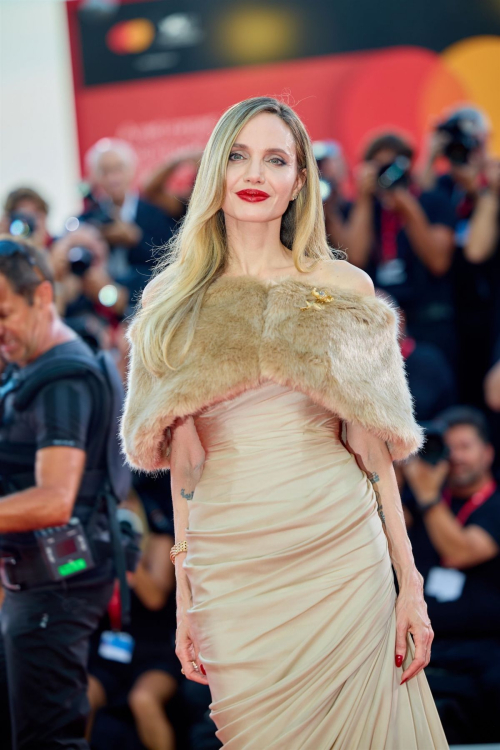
346 97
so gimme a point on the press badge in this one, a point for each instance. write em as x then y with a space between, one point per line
115 646
445 584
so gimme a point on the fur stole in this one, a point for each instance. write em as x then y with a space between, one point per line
340 348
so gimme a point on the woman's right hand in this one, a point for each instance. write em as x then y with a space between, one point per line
187 651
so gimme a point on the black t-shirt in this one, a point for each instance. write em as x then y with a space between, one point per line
476 612
59 415
431 380
427 299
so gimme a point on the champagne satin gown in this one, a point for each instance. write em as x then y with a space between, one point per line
293 590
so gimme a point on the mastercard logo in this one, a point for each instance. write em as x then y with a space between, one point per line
131 37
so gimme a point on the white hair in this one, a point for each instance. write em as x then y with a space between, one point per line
107 145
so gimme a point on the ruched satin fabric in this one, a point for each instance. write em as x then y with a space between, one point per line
293 590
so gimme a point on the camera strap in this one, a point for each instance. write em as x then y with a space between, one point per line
473 503
119 558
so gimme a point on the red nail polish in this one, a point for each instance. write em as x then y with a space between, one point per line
202 669
403 681
399 660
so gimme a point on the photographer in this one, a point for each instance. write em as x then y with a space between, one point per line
459 144
456 542
404 240
150 679
132 227
25 215
333 171
57 436
483 250
83 284
460 168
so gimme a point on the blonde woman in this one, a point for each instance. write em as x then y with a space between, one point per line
266 375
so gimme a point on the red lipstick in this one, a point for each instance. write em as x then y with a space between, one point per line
252 196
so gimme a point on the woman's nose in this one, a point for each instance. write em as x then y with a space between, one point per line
254 173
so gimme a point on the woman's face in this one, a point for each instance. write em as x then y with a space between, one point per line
262 177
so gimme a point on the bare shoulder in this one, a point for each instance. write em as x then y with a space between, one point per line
341 273
148 293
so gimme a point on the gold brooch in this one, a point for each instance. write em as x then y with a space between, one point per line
319 299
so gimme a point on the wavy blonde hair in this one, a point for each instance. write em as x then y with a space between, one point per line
197 254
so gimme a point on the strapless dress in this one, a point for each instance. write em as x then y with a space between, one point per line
293 590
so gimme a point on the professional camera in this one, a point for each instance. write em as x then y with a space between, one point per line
396 174
80 260
461 138
434 449
93 212
21 224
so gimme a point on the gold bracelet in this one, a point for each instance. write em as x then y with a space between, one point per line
179 547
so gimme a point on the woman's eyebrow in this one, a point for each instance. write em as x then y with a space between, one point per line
267 150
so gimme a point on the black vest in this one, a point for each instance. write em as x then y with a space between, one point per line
17 465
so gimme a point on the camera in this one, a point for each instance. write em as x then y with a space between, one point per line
80 260
461 139
21 224
93 212
396 174
434 449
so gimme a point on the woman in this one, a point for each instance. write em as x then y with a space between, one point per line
267 376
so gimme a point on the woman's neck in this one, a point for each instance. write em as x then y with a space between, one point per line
255 248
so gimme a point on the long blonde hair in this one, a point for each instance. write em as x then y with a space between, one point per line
197 254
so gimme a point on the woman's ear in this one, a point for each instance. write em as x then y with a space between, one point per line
301 180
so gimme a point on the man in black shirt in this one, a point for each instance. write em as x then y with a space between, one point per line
46 453
460 145
403 238
455 536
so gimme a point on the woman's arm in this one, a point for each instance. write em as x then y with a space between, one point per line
187 458
483 228
374 459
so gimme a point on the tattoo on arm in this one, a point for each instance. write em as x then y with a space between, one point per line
374 478
187 495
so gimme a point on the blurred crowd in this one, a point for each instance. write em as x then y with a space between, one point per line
427 231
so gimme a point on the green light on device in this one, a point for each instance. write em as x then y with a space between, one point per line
73 566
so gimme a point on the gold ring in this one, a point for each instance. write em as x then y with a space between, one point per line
182 671
195 666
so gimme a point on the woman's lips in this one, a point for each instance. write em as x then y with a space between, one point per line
252 196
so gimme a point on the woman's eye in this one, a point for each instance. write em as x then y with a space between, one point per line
277 160
232 156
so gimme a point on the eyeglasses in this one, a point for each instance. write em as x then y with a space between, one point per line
9 247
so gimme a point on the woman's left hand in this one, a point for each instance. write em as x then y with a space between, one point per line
411 615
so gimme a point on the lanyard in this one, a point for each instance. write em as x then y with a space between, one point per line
474 502
390 226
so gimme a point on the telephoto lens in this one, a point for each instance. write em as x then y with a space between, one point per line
460 139
21 224
395 174
80 260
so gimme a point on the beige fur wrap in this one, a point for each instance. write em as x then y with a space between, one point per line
341 350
